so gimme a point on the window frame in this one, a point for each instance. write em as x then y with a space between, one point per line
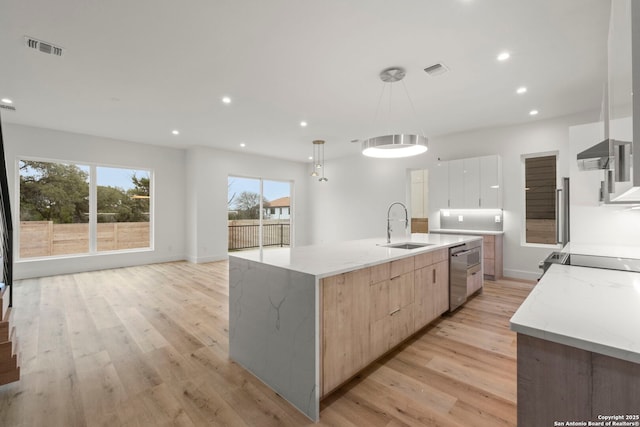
523 200
93 206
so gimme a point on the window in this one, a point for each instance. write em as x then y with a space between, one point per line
68 209
540 199
259 213
122 209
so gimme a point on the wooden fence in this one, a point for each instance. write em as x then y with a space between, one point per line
44 238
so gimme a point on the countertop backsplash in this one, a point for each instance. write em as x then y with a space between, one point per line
471 219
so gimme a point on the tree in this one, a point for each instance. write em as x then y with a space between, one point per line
60 193
138 200
53 192
118 205
247 204
110 203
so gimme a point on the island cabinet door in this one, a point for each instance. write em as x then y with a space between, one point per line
345 327
380 324
401 296
431 288
424 279
441 288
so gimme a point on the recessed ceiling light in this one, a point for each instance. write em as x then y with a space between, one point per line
503 56
226 100
303 124
242 144
6 101
521 90
533 112
175 132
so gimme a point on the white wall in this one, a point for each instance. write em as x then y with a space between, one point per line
168 166
191 192
353 204
207 172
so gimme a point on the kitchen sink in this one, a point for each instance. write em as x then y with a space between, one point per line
407 245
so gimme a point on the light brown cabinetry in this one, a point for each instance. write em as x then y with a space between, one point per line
345 326
431 285
474 280
368 312
492 256
391 300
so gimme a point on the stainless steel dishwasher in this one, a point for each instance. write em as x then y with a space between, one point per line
464 262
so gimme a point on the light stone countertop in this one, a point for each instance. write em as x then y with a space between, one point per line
470 232
329 259
588 308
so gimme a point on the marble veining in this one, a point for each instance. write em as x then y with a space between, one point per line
273 329
592 309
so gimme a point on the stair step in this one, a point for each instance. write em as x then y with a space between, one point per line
9 358
4 326
9 348
9 364
10 376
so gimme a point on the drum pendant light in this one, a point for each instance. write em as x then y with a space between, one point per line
399 145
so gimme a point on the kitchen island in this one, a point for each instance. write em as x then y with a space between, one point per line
579 348
305 320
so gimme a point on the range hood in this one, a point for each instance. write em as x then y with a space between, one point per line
619 154
596 157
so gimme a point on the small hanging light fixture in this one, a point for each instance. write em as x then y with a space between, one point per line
399 145
318 160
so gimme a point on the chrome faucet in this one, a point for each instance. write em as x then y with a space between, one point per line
406 219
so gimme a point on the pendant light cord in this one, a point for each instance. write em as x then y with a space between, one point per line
375 117
413 108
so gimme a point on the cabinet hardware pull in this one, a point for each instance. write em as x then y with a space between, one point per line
434 275
395 277
394 312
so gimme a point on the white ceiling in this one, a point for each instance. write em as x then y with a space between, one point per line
136 70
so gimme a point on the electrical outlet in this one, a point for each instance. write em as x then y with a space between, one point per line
446 213
498 218
460 218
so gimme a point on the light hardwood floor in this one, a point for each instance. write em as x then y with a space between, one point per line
147 346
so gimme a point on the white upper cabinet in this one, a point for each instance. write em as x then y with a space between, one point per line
456 184
439 187
473 183
490 182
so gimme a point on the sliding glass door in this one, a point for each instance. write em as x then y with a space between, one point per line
259 213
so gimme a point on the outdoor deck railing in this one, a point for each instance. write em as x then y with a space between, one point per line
247 236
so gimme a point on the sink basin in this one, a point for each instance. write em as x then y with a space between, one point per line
407 245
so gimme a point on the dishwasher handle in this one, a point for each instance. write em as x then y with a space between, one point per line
461 253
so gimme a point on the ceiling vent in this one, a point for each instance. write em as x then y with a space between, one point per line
436 69
8 107
43 47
